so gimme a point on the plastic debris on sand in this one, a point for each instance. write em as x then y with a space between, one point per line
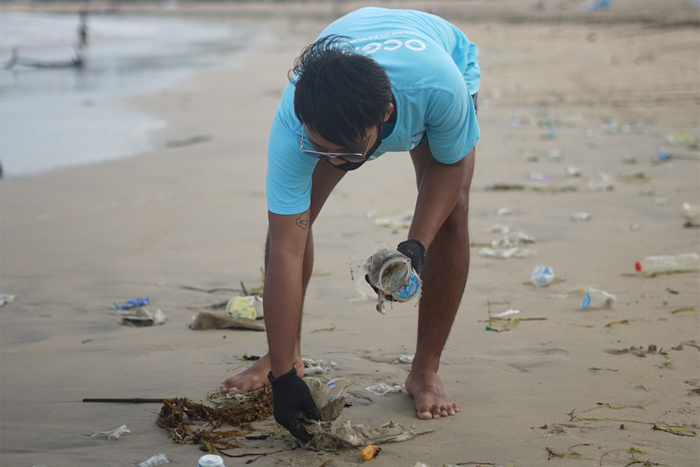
332 432
515 252
114 434
318 367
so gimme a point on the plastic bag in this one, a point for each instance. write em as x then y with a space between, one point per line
158 459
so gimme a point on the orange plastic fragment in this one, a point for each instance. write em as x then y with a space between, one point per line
369 452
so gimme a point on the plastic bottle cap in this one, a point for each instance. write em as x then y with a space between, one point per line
637 266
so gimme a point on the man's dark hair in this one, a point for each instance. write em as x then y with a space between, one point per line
339 93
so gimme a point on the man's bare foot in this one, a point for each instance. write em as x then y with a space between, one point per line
255 377
429 395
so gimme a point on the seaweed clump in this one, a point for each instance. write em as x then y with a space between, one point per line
193 423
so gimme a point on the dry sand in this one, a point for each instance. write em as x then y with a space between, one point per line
76 240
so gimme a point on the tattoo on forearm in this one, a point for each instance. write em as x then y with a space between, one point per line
303 220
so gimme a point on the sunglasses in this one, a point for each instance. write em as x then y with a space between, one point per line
346 156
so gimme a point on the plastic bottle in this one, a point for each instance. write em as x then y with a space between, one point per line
595 298
666 264
211 460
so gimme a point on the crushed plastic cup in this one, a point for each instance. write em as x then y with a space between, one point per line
158 459
542 276
596 298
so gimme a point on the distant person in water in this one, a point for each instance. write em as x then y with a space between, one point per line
83 30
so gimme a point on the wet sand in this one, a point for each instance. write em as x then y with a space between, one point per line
76 240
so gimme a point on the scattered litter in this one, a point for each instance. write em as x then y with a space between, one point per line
628 227
680 138
571 171
516 252
393 222
541 177
596 298
498 228
382 389
506 314
635 177
209 320
114 434
246 307
580 217
513 238
662 155
691 211
158 459
318 367
601 182
661 201
555 189
6 298
542 276
505 187
667 264
187 141
142 317
370 452
331 328
407 358
504 211
331 432
135 303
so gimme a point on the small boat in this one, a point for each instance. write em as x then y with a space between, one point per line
77 62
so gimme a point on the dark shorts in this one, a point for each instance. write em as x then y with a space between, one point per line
475 99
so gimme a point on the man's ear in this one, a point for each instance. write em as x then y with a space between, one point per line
388 113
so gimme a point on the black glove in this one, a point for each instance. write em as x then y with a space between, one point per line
291 395
415 250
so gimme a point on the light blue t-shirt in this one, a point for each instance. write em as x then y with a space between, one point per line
433 71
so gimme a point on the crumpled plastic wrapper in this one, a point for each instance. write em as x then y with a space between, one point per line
332 432
318 367
114 434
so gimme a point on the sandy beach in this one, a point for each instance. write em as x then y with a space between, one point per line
600 91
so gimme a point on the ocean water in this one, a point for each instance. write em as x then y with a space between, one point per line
59 117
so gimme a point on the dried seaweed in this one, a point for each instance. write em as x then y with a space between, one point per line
193 423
